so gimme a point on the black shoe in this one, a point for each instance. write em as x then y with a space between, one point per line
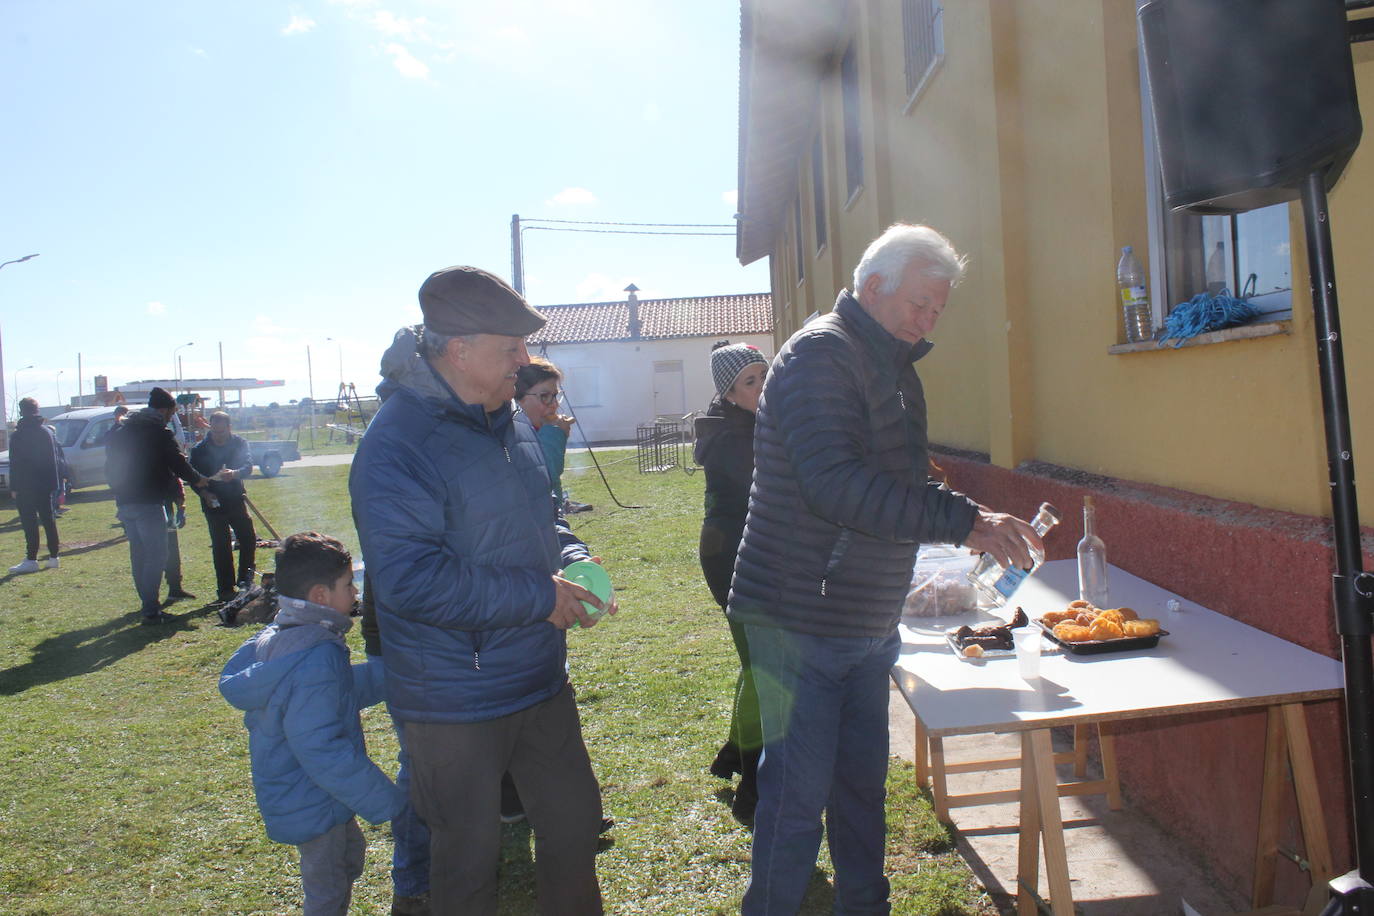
177 594
746 800
606 824
727 762
227 594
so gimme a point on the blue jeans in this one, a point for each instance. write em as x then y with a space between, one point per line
145 524
823 704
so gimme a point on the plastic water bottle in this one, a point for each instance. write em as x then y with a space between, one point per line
1092 562
1216 269
1135 305
995 582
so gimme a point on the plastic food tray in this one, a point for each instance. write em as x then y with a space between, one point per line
1101 646
987 653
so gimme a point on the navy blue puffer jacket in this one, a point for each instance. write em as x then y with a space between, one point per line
841 496
461 540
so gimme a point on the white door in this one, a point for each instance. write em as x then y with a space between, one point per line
670 400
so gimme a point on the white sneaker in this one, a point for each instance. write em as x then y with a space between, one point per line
28 566
50 563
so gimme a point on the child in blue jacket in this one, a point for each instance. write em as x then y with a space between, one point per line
300 698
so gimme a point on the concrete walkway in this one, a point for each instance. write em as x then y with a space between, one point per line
1120 862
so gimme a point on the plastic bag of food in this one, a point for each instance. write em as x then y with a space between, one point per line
939 582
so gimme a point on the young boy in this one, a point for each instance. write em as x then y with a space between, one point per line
301 698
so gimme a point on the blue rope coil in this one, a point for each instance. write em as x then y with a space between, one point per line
1206 312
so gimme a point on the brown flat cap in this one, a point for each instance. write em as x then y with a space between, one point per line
468 300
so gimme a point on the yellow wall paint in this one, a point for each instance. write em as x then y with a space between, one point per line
1026 150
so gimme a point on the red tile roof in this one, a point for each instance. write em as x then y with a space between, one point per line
699 316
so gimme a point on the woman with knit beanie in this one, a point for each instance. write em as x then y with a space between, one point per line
725 449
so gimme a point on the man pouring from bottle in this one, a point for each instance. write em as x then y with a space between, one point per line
840 502
226 460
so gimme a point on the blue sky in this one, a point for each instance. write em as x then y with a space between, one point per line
272 176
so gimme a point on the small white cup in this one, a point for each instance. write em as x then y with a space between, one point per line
1028 644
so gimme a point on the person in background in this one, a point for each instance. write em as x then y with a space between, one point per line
33 482
226 460
536 393
143 464
725 450
840 502
464 547
300 699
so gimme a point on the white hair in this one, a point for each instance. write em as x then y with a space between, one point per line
903 244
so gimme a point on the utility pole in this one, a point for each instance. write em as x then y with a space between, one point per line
517 257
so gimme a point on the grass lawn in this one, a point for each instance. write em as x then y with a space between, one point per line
124 784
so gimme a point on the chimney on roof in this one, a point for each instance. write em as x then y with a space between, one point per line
633 302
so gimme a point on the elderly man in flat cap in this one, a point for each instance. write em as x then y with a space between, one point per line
464 547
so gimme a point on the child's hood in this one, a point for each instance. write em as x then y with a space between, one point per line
258 667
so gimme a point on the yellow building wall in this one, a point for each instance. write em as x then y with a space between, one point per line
1026 149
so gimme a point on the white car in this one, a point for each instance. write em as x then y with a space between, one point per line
81 434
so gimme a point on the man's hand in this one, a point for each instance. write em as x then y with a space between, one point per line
202 483
567 604
1006 538
225 474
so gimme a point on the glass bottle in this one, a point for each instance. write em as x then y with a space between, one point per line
995 582
1216 270
1092 562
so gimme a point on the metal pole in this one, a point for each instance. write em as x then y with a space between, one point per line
4 421
80 393
310 371
1352 587
221 376
517 257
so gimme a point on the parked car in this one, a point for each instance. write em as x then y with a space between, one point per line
81 434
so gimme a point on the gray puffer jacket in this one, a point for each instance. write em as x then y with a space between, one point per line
841 496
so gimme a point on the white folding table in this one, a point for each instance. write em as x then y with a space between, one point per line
1209 662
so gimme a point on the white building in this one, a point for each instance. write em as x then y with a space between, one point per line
627 363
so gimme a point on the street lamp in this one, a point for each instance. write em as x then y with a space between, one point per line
4 424
176 373
16 385
59 386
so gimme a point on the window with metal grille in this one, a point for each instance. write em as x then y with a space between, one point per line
923 35
853 141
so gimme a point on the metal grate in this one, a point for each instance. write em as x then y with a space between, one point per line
659 446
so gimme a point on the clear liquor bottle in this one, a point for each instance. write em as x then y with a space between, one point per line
995 582
1092 561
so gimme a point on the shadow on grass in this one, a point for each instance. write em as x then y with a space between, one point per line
90 649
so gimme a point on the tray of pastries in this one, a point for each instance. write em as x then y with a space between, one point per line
1086 630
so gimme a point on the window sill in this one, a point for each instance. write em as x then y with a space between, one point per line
1244 332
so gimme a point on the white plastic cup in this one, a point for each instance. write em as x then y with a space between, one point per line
1028 644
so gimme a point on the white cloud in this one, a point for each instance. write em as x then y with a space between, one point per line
157 308
652 114
199 52
571 197
407 64
298 25
393 26
730 197
512 34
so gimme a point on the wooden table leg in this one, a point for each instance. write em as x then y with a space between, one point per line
1106 745
1267 834
921 753
1082 732
938 789
1042 825
1028 838
1309 798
